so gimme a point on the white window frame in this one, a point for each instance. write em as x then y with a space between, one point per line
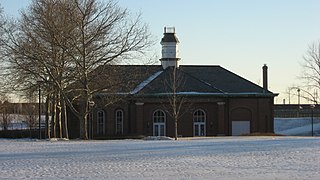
101 122
158 121
198 121
117 118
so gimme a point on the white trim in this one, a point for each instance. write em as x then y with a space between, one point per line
145 82
103 122
221 103
159 124
116 123
199 124
139 103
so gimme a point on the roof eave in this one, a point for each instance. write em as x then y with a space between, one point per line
225 95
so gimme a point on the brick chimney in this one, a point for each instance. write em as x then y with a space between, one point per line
265 77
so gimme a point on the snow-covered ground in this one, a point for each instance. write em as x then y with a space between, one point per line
297 126
205 158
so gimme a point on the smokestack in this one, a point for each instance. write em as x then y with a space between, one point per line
265 77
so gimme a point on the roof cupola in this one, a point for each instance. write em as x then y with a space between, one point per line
170 50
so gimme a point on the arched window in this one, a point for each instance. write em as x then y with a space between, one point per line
101 123
119 121
159 123
199 123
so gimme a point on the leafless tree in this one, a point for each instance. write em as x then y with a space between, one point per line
303 92
177 101
3 70
31 115
30 111
311 74
5 119
106 34
61 42
2 22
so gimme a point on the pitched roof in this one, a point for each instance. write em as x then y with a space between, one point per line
184 83
169 37
122 78
223 79
146 80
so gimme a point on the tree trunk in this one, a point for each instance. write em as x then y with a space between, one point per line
84 119
65 118
176 128
47 117
83 128
175 113
54 117
59 114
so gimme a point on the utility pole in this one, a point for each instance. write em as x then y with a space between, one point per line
312 107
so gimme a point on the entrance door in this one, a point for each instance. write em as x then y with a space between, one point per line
159 123
199 123
199 129
159 129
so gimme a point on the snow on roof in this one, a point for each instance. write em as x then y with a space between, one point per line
145 82
242 94
191 93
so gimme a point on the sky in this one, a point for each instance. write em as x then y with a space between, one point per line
240 36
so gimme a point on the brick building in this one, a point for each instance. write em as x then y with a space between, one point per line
214 100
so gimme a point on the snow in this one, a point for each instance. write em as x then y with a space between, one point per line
297 126
18 122
187 158
146 82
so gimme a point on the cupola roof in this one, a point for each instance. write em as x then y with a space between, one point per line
169 35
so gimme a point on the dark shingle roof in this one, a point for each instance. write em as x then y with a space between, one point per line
121 78
143 80
169 37
184 83
223 79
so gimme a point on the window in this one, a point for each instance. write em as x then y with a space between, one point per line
119 122
100 123
199 123
159 123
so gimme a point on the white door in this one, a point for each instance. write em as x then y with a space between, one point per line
159 129
199 129
240 128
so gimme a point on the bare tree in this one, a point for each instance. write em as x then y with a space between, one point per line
61 43
303 92
31 116
30 111
3 69
106 34
5 118
2 22
311 74
177 101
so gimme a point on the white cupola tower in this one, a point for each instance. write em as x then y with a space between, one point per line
170 50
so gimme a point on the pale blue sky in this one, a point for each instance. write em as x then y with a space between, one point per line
240 35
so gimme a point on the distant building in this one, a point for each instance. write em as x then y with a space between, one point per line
216 101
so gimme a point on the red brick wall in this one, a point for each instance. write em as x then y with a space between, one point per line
138 116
